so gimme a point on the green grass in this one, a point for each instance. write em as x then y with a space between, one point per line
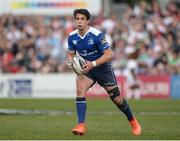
101 125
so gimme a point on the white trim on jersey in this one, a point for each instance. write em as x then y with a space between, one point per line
73 32
82 37
94 31
91 29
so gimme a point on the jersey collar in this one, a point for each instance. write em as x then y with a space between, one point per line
82 37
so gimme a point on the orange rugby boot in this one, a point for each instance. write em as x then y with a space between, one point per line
79 129
136 127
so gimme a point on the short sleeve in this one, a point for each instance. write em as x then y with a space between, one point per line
70 44
102 42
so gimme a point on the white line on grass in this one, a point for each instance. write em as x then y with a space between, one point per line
60 112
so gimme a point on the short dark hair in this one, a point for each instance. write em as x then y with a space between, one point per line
83 12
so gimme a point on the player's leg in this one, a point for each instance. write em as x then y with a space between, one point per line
117 99
122 104
106 78
104 75
83 83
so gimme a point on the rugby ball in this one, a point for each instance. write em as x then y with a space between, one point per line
77 64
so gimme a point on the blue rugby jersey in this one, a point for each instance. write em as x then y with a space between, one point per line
90 46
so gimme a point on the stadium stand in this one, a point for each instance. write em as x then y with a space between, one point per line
146 39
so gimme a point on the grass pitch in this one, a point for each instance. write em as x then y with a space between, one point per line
160 120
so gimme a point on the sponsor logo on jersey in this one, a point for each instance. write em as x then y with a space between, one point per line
103 40
91 41
74 42
88 53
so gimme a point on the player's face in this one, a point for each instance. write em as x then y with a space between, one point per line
81 21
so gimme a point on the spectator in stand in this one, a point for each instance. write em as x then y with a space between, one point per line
38 43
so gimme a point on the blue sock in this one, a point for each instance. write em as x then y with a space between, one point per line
124 107
81 109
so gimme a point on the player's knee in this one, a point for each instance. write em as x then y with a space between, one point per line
80 92
115 95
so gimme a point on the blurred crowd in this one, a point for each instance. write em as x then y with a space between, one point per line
145 40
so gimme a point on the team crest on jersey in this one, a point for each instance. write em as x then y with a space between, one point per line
74 42
103 40
91 41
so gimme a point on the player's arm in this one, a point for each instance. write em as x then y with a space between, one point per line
71 52
103 46
106 57
70 55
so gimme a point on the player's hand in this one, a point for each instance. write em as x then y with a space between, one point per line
87 67
69 64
